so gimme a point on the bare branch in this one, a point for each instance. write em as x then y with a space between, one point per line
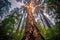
38 5
41 9
49 5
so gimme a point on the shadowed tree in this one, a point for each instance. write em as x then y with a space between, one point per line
4 8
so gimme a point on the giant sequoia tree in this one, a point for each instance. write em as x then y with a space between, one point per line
42 12
37 6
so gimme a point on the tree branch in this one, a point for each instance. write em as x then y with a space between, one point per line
49 5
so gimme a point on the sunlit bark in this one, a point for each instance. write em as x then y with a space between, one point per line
31 30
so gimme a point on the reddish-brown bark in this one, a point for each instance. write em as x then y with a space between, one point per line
31 30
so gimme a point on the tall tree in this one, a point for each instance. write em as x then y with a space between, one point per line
54 30
31 30
7 26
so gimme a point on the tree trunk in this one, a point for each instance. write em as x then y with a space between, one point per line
31 30
17 30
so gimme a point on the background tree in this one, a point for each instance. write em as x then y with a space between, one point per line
4 8
8 25
53 33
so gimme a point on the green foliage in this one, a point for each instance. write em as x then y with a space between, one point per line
42 30
7 26
53 33
18 35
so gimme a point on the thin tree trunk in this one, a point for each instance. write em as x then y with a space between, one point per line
18 25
